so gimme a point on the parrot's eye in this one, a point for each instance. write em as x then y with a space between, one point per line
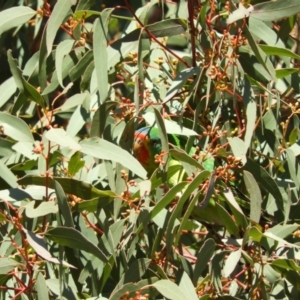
138 140
154 143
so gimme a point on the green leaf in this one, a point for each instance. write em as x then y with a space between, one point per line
134 273
265 181
293 137
103 149
285 264
250 104
41 287
283 231
84 5
182 156
63 205
240 13
8 175
60 137
7 265
162 133
73 238
59 13
179 81
185 219
227 220
204 255
163 28
264 32
238 148
172 127
271 235
69 62
231 262
284 72
79 69
78 188
167 198
279 51
100 57
261 57
26 88
43 209
130 289
7 89
271 11
231 200
255 196
39 246
293 167
255 234
170 290
76 163
14 17
62 49
187 287
190 190
74 101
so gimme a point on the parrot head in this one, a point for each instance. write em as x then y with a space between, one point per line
146 145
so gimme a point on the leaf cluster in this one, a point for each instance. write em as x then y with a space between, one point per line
80 218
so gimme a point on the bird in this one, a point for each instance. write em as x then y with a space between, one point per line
146 146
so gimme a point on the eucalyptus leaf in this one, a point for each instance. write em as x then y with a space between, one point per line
15 16
102 149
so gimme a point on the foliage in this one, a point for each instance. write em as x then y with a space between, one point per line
81 218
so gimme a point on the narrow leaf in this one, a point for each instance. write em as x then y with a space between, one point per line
169 27
255 196
170 290
241 13
43 209
100 57
187 287
14 17
26 88
7 265
78 188
191 188
203 257
63 205
62 138
238 148
172 127
58 15
41 287
265 181
231 262
39 246
167 198
271 11
76 163
179 82
8 175
250 103
72 238
7 89
103 149
279 51
62 49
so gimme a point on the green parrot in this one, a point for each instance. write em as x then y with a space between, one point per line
147 145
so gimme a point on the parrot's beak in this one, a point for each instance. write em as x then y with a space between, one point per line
136 147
